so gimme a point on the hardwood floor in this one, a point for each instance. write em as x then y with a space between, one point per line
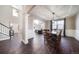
68 45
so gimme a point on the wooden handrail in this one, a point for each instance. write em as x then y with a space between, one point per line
4 25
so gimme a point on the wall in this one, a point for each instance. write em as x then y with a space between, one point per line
24 26
5 14
47 24
27 28
27 25
5 17
17 20
70 26
30 27
77 27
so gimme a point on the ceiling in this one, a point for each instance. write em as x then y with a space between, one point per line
61 11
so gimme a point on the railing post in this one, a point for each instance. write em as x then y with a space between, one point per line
11 32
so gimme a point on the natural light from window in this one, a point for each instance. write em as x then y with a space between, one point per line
36 22
15 12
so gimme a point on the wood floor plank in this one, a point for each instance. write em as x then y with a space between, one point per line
36 45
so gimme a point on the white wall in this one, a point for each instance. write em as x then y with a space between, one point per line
30 27
24 26
17 20
27 28
5 16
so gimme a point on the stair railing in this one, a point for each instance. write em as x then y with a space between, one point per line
4 30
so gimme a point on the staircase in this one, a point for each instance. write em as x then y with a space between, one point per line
4 32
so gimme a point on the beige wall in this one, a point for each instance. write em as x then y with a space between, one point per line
70 22
77 27
70 26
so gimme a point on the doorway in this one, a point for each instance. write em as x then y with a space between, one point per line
38 25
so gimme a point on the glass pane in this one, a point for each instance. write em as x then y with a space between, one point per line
58 24
15 12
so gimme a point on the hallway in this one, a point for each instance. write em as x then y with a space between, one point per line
37 46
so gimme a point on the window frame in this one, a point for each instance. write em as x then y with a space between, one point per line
17 10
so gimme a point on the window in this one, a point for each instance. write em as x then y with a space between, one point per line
58 24
16 9
36 22
15 12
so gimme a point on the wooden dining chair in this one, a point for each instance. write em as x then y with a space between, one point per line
52 41
58 42
49 42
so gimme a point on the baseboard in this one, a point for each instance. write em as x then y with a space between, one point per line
76 38
25 42
2 39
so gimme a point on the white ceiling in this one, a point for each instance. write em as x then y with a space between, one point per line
61 11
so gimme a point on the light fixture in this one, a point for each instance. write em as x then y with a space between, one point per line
53 15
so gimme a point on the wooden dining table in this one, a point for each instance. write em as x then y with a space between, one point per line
54 32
